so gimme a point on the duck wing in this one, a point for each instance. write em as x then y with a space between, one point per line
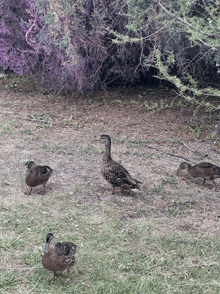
65 248
43 173
44 170
207 169
205 165
119 176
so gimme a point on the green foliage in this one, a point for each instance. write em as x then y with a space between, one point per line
44 116
195 130
134 102
191 87
88 149
70 122
15 82
186 36
157 106
171 180
27 132
143 141
53 147
176 140
8 280
118 101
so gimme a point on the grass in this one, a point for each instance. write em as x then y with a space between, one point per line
7 127
70 122
115 255
53 147
44 116
88 149
160 190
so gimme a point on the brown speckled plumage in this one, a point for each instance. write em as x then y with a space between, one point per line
58 256
113 172
37 175
204 170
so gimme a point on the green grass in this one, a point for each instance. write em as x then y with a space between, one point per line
53 147
7 127
89 149
115 255
27 132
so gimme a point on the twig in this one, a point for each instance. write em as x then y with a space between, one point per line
188 147
37 120
185 22
197 108
41 121
169 154
160 249
205 155
168 286
141 55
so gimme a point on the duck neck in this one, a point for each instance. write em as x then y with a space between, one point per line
189 166
107 153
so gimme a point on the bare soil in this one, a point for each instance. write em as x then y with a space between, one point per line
61 131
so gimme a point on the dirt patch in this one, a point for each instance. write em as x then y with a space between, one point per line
61 132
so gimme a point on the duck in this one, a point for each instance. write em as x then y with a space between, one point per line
37 175
58 256
113 172
204 170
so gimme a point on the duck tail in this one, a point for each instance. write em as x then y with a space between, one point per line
137 184
48 168
216 170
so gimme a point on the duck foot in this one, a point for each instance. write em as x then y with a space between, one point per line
214 186
109 193
28 192
112 192
44 190
65 279
54 276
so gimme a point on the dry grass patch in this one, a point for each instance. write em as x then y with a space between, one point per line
162 239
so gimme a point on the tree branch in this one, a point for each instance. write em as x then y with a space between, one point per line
185 22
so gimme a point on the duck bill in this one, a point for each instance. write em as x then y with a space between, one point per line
26 171
46 248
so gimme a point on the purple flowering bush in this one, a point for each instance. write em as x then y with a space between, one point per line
90 44
68 45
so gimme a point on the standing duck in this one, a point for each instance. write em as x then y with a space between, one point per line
204 170
58 256
37 175
113 172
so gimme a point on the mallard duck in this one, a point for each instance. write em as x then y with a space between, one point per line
204 170
58 256
37 175
113 172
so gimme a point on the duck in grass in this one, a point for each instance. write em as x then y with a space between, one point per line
37 175
204 170
58 256
115 173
